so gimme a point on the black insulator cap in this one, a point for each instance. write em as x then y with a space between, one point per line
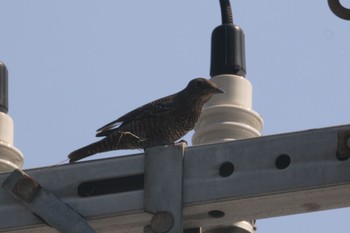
227 51
3 88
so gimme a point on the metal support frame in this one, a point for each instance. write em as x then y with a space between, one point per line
44 204
163 188
245 179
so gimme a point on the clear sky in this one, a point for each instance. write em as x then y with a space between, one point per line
77 65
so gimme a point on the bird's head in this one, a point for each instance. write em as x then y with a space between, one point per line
203 86
203 89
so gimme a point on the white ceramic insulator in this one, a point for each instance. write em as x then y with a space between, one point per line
228 116
10 157
237 227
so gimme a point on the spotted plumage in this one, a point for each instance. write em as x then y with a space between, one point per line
160 122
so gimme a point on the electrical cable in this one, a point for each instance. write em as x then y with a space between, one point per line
226 12
339 10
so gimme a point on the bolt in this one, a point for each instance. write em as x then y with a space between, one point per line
162 222
26 188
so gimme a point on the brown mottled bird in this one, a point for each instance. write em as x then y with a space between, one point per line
160 122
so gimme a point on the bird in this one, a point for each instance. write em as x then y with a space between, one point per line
160 122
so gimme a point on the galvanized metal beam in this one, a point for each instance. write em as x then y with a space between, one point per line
244 179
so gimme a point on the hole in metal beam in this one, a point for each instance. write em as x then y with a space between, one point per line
226 169
282 161
216 213
111 185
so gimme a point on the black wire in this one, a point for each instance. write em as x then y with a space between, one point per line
339 10
226 12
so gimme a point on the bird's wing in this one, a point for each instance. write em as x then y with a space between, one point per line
106 129
154 109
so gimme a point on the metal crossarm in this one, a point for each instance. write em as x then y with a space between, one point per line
244 179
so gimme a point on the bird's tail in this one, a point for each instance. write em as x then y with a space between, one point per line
115 141
91 149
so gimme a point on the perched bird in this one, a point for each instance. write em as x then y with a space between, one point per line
160 122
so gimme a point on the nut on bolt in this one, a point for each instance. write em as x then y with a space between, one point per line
26 188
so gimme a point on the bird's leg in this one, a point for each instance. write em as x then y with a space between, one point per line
181 141
122 133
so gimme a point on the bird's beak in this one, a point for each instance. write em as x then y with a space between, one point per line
218 91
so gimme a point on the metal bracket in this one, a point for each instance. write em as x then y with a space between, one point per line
163 188
44 204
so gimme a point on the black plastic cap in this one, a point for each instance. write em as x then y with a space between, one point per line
227 51
3 88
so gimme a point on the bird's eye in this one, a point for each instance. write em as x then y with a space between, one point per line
199 83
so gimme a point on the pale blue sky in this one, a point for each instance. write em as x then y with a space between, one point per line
77 65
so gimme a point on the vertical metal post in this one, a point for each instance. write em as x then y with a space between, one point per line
163 188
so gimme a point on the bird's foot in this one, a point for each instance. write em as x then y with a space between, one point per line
181 141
